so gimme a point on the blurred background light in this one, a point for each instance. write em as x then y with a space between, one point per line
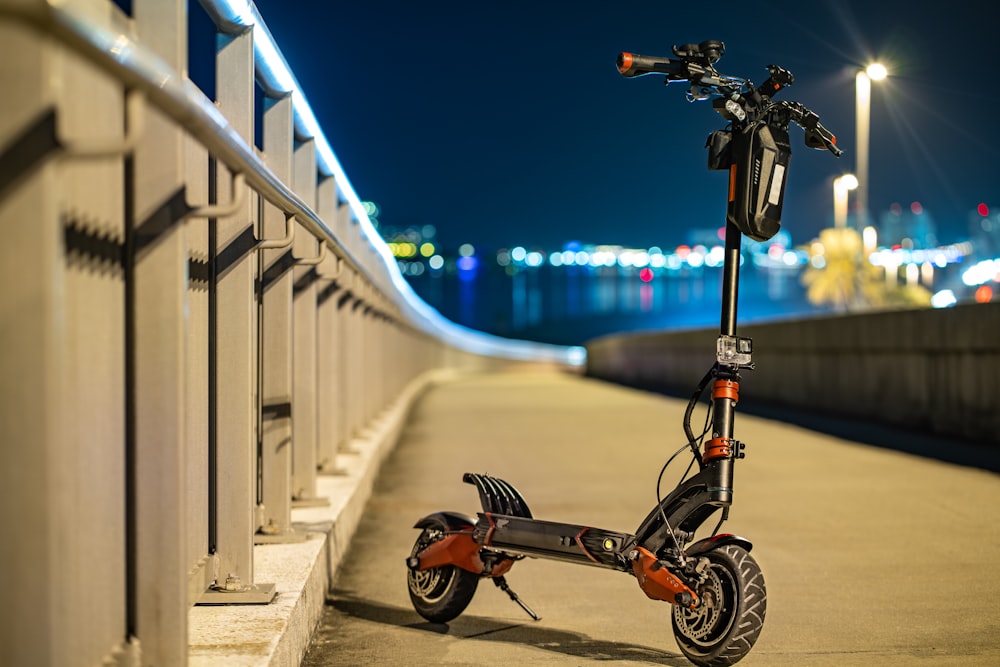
943 299
877 71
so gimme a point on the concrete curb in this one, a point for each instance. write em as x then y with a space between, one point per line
279 633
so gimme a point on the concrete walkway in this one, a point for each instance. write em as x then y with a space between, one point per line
870 556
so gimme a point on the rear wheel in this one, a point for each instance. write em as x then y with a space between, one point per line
439 594
727 622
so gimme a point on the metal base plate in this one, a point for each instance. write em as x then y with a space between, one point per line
288 537
256 594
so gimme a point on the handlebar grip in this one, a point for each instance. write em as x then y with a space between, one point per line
633 64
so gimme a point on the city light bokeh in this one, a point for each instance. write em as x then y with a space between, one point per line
525 290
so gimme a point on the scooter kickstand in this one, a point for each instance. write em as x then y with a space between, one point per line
501 583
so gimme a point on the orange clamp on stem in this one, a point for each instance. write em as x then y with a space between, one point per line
718 448
726 389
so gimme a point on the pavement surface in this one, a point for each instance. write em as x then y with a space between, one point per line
870 555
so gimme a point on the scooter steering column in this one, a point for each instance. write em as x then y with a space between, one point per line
721 449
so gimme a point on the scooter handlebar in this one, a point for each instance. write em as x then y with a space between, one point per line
633 64
695 66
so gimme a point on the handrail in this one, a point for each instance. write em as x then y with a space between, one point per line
283 242
236 200
175 95
313 261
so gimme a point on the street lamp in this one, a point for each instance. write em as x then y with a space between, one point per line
863 85
841 186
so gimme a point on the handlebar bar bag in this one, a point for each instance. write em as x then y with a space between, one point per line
757 176
719 149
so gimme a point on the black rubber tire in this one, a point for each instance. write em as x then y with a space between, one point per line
439 594
724 628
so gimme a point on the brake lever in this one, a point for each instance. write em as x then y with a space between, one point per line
821 138
816 136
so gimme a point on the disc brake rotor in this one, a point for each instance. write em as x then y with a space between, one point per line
697 624
425 582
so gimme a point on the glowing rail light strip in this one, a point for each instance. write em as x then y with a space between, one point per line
178 98
276 77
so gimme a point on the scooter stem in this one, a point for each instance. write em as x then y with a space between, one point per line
731 279
725 390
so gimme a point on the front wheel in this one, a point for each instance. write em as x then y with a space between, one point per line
439 594
727 622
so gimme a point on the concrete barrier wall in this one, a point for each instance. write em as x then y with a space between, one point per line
930 370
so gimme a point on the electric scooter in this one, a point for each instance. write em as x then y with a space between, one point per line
714 585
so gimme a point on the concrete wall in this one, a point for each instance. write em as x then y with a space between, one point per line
930 370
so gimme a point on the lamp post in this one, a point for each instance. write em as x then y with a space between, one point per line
863 86
841 186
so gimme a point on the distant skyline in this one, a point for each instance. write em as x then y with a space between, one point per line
506 123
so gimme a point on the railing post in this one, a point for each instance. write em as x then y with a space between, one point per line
328 339
197 403
156 295
348 359
304 176
376 357
33 370
276 285
358 347
235 376
344 228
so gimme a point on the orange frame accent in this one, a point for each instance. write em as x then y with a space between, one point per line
460 550
457 549
657 582
579 543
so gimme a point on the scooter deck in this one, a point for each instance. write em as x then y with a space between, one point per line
549 539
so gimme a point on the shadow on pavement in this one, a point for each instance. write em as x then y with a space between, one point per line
495 630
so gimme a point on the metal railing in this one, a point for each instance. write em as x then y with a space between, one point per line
191 329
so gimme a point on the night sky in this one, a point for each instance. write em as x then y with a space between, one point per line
506 123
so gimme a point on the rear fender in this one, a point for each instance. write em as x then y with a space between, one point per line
447 521
709 543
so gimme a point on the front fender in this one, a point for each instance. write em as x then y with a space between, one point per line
446 521
709 543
